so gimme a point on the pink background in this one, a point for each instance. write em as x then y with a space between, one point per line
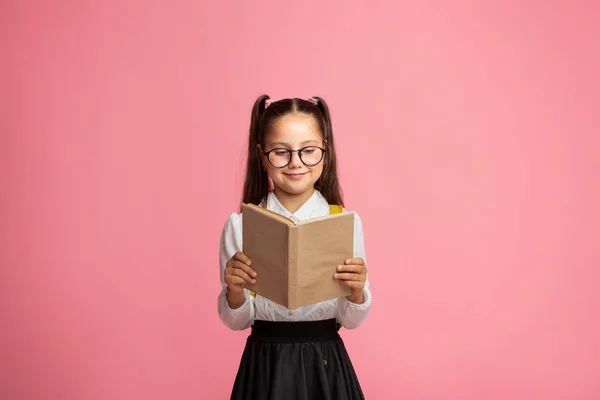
468 136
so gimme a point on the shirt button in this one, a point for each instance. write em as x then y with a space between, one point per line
290 312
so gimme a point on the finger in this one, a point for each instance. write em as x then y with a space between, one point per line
234 280
348 277
242 274
355 261
240 265
358 269
242 257
353 284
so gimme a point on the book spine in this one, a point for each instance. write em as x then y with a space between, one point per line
293 289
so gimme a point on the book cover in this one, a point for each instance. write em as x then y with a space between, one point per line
295 262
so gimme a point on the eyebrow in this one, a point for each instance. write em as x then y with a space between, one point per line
287 144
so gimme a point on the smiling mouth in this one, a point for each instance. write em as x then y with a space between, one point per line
296 175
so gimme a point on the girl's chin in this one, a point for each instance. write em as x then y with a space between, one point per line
295 189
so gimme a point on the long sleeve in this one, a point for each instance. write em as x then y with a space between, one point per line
231 242
349 314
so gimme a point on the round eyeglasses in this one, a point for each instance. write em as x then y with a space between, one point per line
310 156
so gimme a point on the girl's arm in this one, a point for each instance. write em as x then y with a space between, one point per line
240 314
352 315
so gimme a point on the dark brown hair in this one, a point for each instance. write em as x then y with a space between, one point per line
256 185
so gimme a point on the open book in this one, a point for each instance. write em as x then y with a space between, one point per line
295 261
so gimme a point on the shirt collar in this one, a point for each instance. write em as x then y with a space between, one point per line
315 206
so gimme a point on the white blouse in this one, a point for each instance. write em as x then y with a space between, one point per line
349 314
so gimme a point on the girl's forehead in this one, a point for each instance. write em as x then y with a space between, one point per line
294 128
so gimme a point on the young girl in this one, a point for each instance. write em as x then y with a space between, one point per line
292 354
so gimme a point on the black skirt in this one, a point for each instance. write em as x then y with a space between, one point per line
296 361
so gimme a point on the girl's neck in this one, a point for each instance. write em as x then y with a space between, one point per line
292 202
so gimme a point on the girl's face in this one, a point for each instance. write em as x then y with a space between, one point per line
294 131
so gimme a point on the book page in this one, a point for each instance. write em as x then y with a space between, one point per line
329 216
323 244
265 242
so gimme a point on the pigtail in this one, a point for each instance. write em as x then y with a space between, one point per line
328 184
256 184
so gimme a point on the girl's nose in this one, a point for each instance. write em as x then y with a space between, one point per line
296 161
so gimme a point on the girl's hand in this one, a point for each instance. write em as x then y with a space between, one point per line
238 272
354 275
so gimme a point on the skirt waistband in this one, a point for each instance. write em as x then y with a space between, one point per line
300 331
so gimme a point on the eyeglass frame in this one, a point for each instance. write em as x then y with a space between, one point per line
299 151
